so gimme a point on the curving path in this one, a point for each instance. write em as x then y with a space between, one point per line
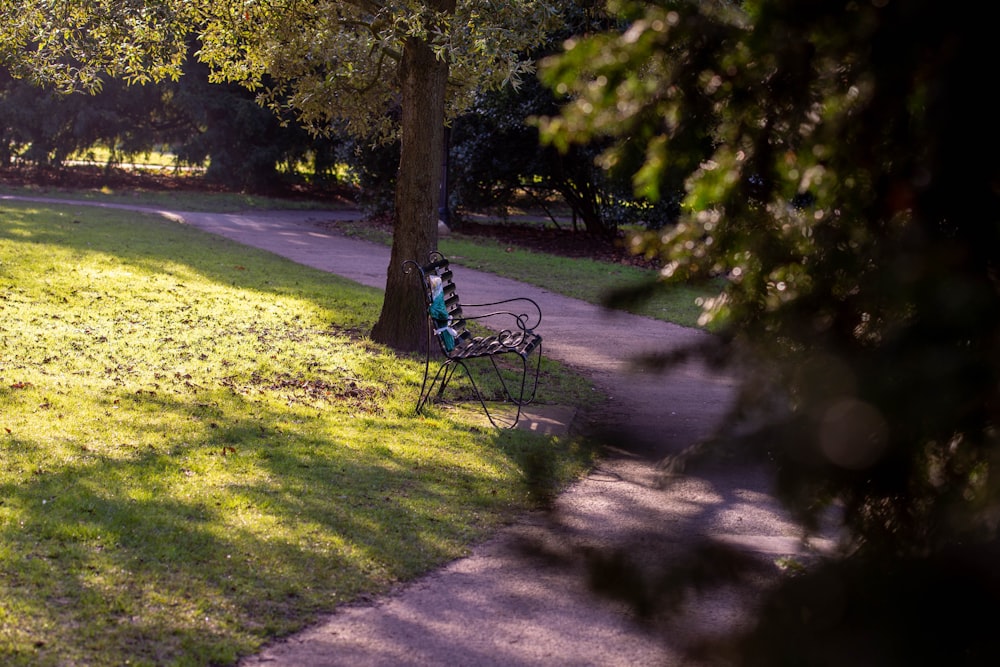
522 598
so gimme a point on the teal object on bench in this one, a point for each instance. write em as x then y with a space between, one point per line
439 313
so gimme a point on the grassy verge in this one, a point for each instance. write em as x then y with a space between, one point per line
585 279
579 278
201 452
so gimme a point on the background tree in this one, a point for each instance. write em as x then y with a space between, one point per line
339 65
496 157
496 160
243 143
44 128
860 247
375 167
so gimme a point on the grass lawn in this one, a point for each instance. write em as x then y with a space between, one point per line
202 451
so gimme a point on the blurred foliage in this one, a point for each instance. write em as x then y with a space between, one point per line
860 246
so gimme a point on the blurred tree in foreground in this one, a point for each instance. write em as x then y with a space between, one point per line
860 243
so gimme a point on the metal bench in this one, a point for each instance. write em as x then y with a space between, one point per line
447 323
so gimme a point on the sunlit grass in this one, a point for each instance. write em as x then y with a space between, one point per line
202 450
158 160
100 155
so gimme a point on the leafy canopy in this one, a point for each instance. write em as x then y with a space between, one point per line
68 45
327 61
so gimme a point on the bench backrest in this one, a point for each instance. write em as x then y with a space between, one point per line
453 320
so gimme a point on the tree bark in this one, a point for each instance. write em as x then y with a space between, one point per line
423 79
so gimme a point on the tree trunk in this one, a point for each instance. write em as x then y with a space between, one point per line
422 82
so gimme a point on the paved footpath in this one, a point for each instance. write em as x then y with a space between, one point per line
521 598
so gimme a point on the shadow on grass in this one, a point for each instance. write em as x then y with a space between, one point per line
201 550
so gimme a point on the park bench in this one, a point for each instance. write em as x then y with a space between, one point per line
508 343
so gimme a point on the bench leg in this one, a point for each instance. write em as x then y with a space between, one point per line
523 397
529 374
444 375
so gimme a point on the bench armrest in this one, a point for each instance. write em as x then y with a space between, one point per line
517 317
